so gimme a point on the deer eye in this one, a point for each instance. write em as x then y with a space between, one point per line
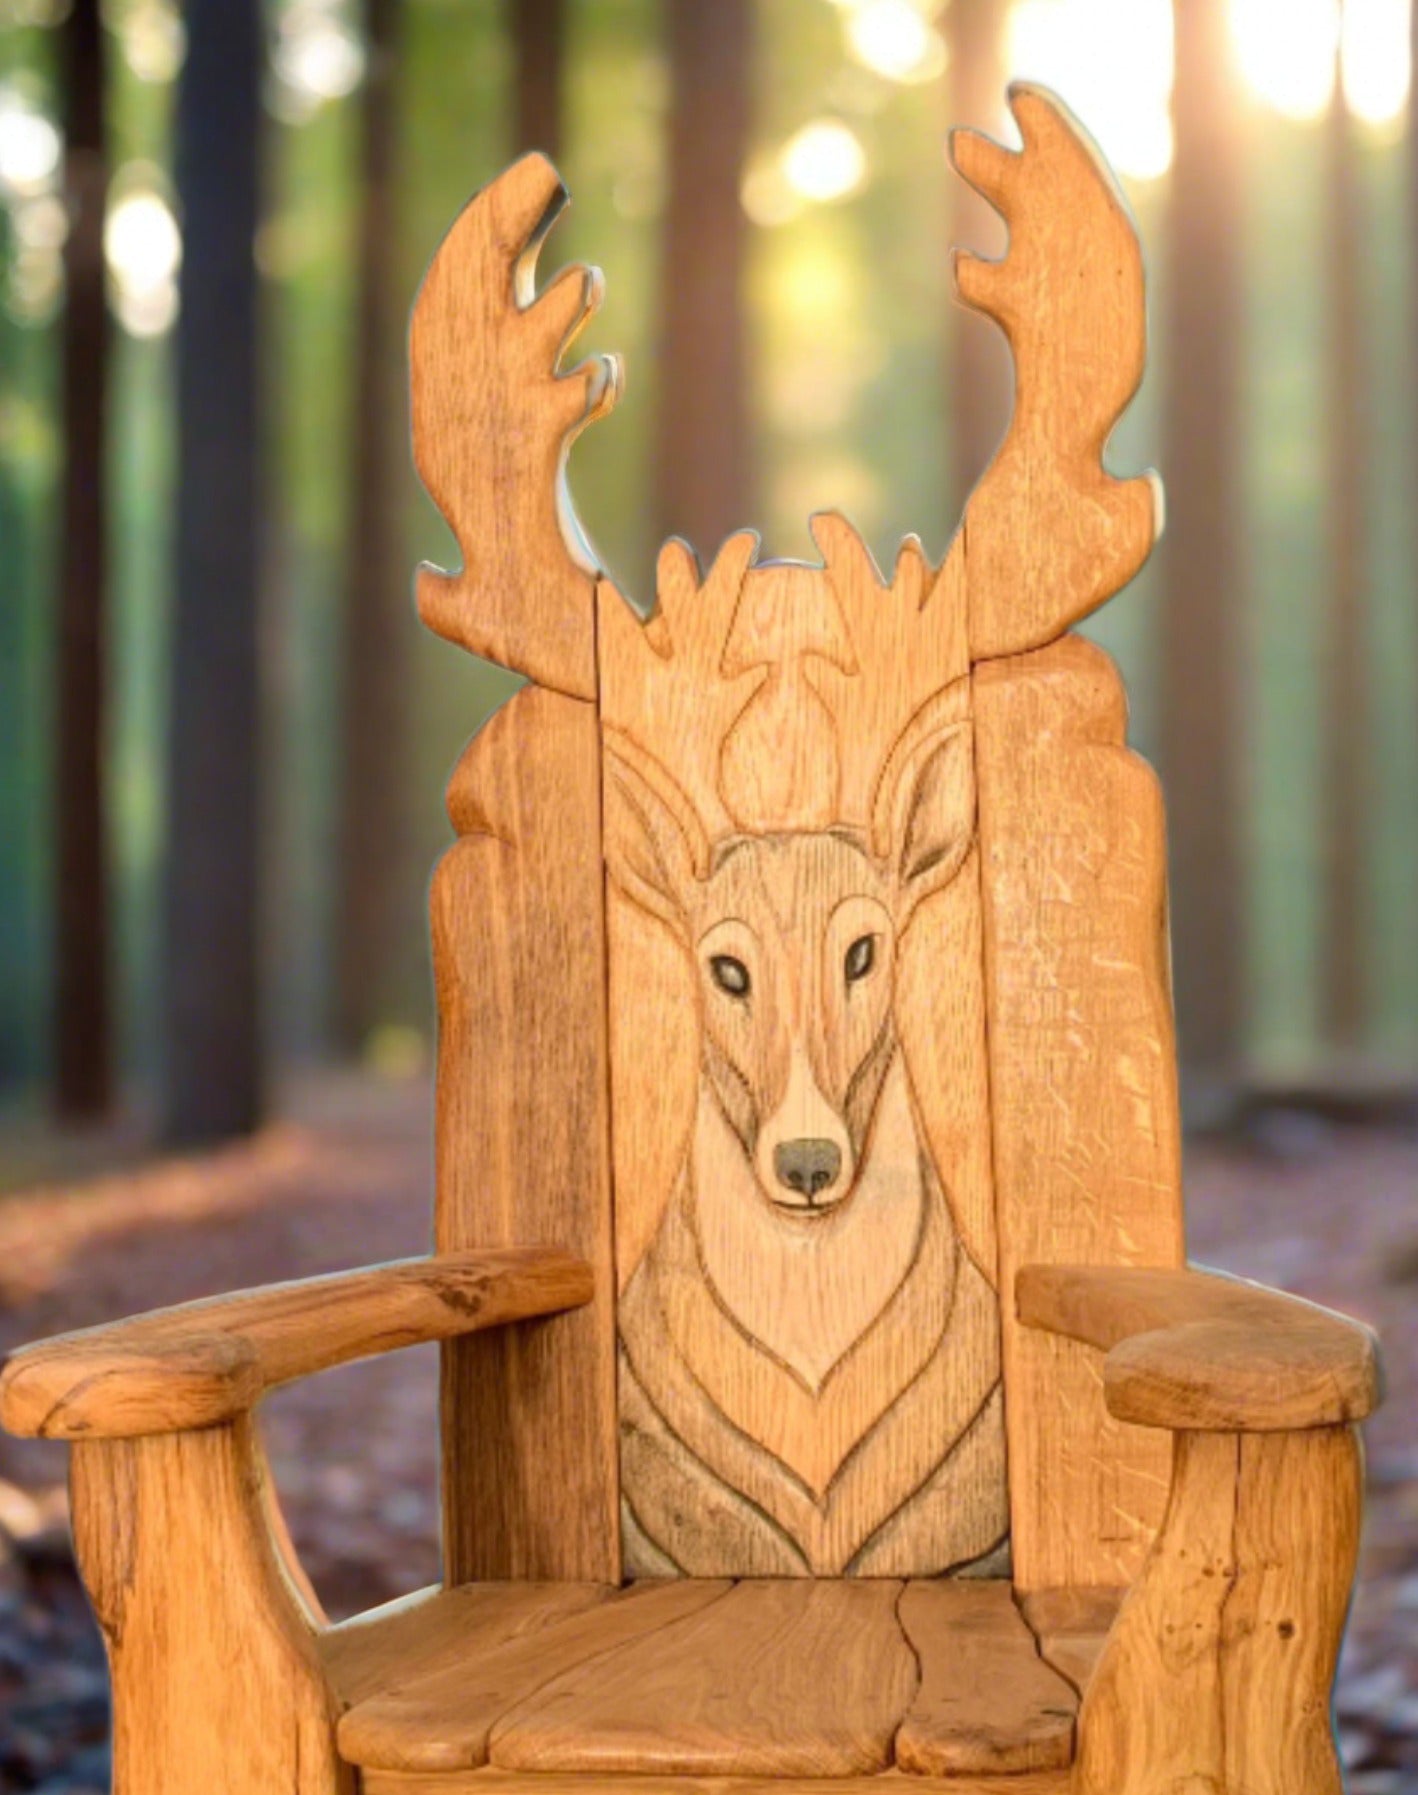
860 958
730 975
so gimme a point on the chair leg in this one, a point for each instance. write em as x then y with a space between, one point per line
1217 1675
217 1687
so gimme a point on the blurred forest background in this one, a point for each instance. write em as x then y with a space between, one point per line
223 736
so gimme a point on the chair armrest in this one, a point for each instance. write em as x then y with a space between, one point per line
1195 1350
205 1362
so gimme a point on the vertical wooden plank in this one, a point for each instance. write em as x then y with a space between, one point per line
523 1145
1083 1083
1201 653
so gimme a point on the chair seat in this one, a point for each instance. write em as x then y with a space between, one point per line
755 1679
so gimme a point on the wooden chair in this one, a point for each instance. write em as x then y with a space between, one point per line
821 1366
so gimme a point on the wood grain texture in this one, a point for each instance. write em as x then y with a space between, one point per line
208 1361
1195 1350
1083 1084
1072 1626
785 1678
492 421
810 1376
1219 1669
1048 534
523 1143
987 1703
441 1717
491 1781
218 1688
378 1653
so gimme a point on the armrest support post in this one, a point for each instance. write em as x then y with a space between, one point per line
217 1685
1218 1671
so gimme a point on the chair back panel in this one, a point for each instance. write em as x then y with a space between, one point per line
801 961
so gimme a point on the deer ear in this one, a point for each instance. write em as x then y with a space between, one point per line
933 813
654 847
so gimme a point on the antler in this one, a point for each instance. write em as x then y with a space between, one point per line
1047 534
668 701
908 645
493 420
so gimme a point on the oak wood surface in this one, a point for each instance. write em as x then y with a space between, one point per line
1219 1669
987 1703
492 420
523 1144
786 1678
1193 1349
203 1362
441 1717
1071 1626
491 1781
217 1681
810 1378
1087 1150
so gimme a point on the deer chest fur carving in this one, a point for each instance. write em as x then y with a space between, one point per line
809 1338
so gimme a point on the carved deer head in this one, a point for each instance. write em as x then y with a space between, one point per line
793 938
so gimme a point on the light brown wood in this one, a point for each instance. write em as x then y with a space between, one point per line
217 1682
987 1703
378 1653
440 1717
207 1361
785 1679
491 1781
1192 1349
1048 534
1083 1084
1218 1671
1071 1626
492 421
809 1339
523 1143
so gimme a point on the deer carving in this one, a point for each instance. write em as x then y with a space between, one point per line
809 1342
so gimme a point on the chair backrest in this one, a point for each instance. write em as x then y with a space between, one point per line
802 962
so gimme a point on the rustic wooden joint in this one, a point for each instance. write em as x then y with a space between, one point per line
1218 1670
204 1363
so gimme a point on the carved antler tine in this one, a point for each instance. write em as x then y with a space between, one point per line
1048 535
493 417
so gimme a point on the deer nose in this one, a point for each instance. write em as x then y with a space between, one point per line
807 1166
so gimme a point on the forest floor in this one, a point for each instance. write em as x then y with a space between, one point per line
90 1230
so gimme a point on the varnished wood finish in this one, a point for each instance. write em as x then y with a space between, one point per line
1083 1084
809 1379
1218 1671
217 1682
1191 1349
523 1143
204 1362
440 1718
1071 1626
786 1679
987 1703
1048 534
492 420
491 1781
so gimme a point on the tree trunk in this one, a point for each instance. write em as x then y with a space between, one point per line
538 28
1342 645
373 873
82 1030
980 381
702 447
212 1071
1201 628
